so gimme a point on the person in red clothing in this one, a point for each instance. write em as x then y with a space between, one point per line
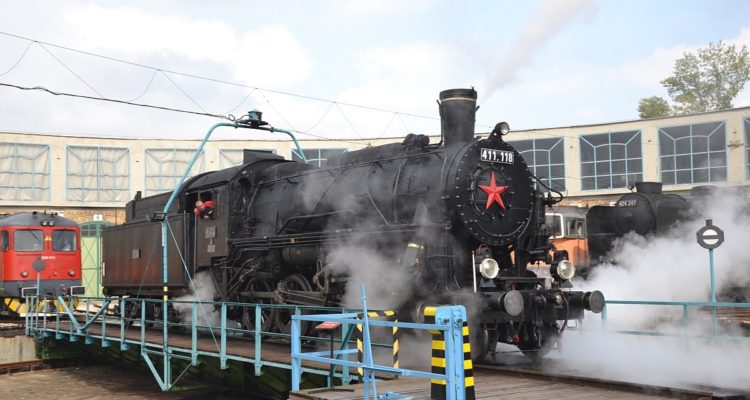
204 209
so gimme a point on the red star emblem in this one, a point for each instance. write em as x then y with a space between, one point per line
493 192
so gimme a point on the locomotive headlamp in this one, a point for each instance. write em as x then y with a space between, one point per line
24 274
489 268
504 128
44 223
564 270
71 273
558 299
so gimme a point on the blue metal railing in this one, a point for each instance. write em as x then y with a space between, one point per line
109 320
686 306
448 320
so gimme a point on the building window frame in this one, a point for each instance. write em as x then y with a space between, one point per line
675 158
45 152
198 167
100 178
631 175
551 181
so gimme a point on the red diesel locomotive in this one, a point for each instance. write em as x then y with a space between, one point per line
38 247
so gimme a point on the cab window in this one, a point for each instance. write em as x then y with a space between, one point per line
63 240
554 222
28 240
4 241
574 227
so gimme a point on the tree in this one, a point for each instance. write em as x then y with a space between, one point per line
708 80
653 107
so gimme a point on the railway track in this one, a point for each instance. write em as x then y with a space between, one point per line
23 366
532 371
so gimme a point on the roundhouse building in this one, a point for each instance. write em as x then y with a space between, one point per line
91 178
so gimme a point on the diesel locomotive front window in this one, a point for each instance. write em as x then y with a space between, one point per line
317 157
693 153
63 241
4 241
611 160
28 240
574 227
545 158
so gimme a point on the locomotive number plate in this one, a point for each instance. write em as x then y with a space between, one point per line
627 203
497 156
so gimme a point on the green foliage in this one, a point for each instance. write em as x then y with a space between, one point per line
653 107
708 80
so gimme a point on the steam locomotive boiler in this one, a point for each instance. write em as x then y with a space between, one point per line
645 211
452 222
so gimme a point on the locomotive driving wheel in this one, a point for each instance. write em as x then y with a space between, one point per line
533 349
247 313
480 342
283 321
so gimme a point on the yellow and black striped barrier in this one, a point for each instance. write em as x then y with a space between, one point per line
19 307
438 387
391 315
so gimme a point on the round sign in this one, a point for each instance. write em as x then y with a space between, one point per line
38 265
710 236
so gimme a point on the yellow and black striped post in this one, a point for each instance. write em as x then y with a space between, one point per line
440 359
395 337
468 365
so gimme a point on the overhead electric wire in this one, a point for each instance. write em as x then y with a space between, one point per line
69 70
44 89
215 80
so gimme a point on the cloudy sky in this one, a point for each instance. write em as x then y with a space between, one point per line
347 68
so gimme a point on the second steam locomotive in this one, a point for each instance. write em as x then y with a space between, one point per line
452 222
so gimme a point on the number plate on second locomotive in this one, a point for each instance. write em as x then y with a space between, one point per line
498 156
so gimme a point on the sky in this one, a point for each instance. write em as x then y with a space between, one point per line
343 69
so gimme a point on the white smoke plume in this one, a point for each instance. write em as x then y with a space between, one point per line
670 267
386 283
203 291
551 17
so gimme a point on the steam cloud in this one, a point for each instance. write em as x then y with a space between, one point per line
549 19
204 290
669 268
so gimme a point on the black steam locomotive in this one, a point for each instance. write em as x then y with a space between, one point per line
647 211
453 222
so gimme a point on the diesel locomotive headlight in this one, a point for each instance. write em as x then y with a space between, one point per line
489 268
564 270
71 273
24 274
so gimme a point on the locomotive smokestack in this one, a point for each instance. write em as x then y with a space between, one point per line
458 109
648 187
